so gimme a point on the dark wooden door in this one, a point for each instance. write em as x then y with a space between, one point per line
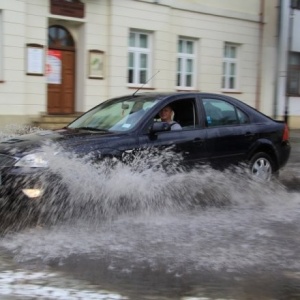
61 95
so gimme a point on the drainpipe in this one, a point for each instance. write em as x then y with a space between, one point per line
293 5
107 69
281 99
260 52
276 75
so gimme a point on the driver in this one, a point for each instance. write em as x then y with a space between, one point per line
166 115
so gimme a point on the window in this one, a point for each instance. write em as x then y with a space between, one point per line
186 69
230 67
185 113
293 79
59 37
219 112
295 4
139 57
1 47
118 114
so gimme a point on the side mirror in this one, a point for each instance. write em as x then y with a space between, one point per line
125 105
159 127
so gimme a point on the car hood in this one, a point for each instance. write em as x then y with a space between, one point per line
80 141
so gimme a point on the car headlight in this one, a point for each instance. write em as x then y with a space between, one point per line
34 160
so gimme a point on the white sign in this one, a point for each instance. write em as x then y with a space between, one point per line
35 60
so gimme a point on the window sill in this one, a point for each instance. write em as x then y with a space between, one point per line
288 95
231 92
140 88
186 90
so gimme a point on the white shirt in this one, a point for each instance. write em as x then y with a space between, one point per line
175 126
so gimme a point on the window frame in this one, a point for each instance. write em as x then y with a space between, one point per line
291 69
226 71
184 56
137 51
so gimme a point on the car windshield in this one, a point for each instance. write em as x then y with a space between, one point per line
118 114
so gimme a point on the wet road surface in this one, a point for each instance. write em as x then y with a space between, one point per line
242 242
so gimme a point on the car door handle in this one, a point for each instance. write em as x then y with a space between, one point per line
249 134
198 141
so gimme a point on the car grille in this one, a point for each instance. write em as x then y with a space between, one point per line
7 161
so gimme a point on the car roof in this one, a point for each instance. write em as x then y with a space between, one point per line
258 115
162 95
172 93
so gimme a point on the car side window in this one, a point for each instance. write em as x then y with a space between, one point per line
243 118
185 113
221 113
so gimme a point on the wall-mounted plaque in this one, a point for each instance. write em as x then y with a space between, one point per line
69 8
35 60
96 64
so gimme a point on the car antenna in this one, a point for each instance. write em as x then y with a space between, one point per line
145 83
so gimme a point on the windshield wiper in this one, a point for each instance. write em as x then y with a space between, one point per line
91 129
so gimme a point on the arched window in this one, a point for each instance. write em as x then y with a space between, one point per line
59 37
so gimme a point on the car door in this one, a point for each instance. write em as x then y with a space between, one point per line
189 142
230 133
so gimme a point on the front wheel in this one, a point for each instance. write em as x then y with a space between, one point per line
262 167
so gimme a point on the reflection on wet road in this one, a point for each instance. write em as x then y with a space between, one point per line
186 236
24 284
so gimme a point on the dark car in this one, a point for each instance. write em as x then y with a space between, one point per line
216 129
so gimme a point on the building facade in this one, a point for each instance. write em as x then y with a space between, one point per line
66 56
287 86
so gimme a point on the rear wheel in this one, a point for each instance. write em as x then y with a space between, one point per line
262 167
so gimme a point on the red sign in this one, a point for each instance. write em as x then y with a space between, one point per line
53 67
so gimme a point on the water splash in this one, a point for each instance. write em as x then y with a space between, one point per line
14 130
176 220
152 182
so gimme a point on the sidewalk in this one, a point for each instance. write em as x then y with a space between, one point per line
295 143
295 133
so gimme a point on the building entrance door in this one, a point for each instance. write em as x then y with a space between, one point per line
60 71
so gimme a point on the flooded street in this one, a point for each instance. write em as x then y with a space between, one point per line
192 235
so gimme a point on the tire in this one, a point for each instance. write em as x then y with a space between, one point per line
262 167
